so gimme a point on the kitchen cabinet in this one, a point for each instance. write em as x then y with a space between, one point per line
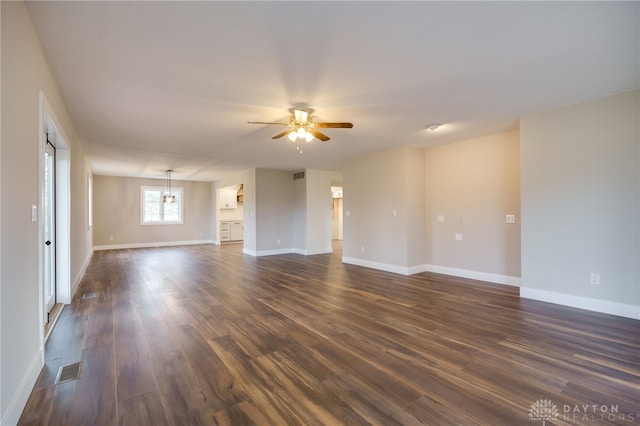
225 231
231 230
237 231
228 199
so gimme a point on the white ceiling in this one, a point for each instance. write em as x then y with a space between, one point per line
157 85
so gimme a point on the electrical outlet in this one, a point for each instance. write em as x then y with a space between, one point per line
595 279
361 249
110 237
278 241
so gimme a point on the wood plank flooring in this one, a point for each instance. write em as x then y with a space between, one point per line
204 335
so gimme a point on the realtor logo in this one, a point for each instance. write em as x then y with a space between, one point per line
543 409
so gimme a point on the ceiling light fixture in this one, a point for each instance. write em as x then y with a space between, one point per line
301 127
433 126
299 134
168 198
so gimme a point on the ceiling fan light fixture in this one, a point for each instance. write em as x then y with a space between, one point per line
433 126
300 116
301 126
308 137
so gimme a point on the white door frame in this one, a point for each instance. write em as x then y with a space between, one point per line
49 125
49 225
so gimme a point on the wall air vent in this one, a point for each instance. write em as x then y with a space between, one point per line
299 175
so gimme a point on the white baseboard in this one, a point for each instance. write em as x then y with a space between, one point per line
258 253
475 275
456 272
602 306
311 252
19 401
249 252
147 245
76 282
377 265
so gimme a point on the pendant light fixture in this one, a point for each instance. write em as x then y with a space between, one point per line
168 197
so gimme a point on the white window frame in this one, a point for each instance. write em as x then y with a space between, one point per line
179 199
89 201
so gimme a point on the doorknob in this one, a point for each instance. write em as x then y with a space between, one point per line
48 243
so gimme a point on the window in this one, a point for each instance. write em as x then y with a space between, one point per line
153 211
89 201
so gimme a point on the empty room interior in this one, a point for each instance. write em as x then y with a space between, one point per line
303 213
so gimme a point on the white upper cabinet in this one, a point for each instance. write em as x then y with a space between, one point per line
228 198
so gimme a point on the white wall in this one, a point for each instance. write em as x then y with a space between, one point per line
377 217
2 403
474 184
415 186
300 212
24 74
580 204
318 210
116 213
296 212
274 211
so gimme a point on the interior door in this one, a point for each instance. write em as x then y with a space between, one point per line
49 210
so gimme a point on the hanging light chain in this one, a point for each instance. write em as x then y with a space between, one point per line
169 197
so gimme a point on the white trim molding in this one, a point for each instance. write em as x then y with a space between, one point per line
78 279
596 305
402 270
257 253
19 401
445 270
475 275
311 252
147 245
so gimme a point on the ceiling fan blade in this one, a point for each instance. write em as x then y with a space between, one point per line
266 122
335 125
319 135
283 133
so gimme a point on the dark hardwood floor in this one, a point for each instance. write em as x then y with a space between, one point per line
204 335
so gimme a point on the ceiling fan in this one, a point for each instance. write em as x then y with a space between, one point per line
302 127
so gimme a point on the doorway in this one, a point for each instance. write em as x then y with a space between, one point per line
230 226
336 217
53 216
49 225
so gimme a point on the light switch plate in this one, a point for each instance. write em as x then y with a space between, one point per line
459 237
510 218
440 218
